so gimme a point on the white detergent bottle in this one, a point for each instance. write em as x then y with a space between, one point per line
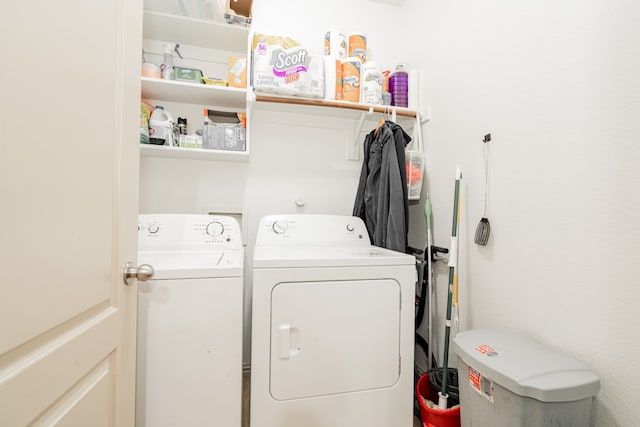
166 68
161 127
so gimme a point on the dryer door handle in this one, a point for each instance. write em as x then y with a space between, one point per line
285 341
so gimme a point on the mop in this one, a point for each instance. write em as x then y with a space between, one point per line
453 261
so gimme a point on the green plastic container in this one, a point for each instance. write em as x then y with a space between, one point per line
191 75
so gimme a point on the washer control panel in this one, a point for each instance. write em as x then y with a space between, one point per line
305 230
188 232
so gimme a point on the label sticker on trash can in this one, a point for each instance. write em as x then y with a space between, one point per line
487 349
481 384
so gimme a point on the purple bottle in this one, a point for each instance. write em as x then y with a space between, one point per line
399 87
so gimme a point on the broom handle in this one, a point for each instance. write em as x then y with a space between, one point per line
427 214
453 261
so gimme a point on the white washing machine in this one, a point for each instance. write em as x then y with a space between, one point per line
332 326
189 362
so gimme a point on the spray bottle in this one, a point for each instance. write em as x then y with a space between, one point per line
167 63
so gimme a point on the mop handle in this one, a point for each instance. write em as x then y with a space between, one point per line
454 239
452 254
429 254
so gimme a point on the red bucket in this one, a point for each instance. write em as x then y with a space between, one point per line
433 417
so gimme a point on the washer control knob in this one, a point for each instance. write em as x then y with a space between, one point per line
215 228
350 227
280 227
154 228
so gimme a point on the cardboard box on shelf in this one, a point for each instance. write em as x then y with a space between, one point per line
190 141
239 11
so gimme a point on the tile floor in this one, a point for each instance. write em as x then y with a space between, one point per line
246 384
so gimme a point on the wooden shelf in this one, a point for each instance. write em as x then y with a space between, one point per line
195 32
355 107
193 153
192 93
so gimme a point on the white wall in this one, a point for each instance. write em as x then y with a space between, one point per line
556 84
309 20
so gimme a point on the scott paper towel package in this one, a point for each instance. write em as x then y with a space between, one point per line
283 66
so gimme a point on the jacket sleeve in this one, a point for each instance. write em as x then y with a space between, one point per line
392 215
359 206
401 140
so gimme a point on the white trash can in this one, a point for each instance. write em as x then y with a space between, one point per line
508 379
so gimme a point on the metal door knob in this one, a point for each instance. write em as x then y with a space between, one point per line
142 273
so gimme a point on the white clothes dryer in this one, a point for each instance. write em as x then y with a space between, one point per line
332 326
189 361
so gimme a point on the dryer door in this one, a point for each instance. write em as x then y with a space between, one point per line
334 337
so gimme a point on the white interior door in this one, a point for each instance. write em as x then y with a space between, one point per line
69 108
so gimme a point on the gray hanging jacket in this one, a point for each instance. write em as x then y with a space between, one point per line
381 199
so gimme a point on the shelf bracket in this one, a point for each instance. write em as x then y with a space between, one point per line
353 149
250 101
426 114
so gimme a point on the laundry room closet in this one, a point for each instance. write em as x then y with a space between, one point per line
555 84
299 158
529 117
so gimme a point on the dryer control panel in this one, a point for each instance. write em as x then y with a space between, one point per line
310 230
188 232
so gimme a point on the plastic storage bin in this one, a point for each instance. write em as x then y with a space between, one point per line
508 379
415 171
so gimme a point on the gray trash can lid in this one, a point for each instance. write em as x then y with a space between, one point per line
525 367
